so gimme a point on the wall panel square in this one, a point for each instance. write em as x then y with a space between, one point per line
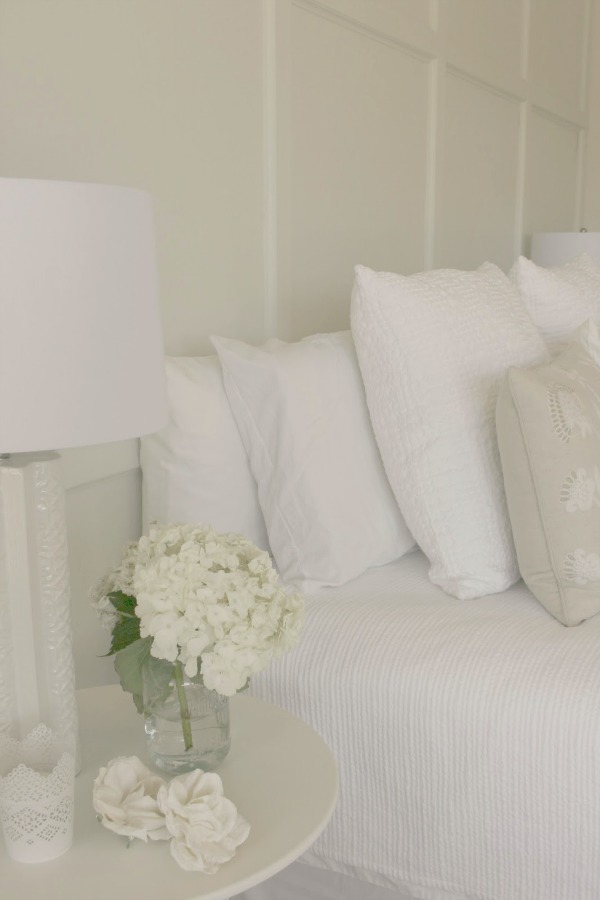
485 38
358 163
160 96
557 53
552 171
397 18
477 206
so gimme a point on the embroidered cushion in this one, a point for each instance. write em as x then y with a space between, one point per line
548 422
432 348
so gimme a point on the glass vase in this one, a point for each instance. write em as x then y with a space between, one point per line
187 726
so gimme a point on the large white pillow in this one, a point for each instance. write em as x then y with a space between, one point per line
432 348
549 436
301 411
559 298
196 469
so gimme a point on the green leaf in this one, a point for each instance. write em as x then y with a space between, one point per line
158 674
123 603
128 666
125 632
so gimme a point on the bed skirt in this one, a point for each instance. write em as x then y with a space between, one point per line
303 882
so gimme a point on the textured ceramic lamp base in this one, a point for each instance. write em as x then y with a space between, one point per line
37 676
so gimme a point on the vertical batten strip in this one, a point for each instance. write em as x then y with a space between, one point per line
525 38
521 183
579 178
584 94
269 213
434 14
524 117
584 73
582 136
435 74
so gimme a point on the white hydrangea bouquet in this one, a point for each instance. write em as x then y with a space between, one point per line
205 602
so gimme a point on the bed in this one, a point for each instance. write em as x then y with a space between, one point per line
467 737
466 731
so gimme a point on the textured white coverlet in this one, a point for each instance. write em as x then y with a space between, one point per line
467 735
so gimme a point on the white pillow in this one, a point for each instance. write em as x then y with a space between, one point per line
559 298
432 348
301 411
196 469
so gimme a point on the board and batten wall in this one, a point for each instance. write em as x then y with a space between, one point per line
283 142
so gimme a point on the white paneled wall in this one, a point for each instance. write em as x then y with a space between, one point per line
554 146
358 163
478 206
591 171
428 134
284 141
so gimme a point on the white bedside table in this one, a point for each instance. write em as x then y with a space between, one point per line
279 773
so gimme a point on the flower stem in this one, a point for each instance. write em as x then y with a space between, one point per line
186 723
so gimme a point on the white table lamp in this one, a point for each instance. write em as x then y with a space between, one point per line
81 362
554 248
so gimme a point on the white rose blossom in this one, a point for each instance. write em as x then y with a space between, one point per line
205 826
124 796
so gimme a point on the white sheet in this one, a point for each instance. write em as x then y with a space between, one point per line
467 735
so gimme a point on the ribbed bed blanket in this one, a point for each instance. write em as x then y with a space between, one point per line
467 735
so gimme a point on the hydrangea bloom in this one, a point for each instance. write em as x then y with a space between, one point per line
211 601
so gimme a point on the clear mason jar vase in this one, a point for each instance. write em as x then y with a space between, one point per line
187 726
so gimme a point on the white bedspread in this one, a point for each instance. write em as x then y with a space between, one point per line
467 735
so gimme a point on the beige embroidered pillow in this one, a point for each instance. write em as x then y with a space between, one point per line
548 422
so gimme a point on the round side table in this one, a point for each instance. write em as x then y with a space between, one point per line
279 773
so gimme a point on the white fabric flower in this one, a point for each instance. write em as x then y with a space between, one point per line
124 796
205 826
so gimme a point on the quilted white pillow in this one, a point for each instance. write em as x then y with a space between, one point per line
559 298
301 411
196 469
432 348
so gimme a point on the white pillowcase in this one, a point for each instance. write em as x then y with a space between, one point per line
559 298
432 348
301 411
195 469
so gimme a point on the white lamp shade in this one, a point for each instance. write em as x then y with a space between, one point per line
81 355
554 248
